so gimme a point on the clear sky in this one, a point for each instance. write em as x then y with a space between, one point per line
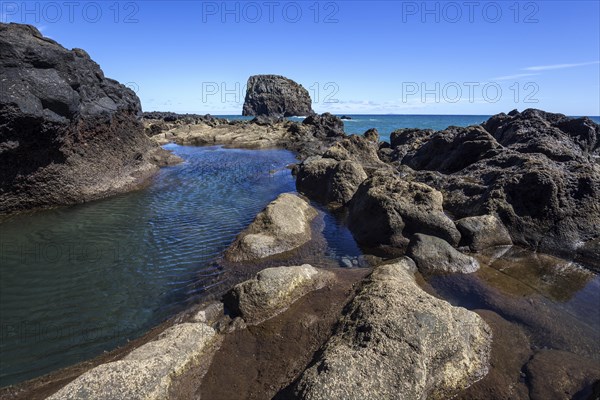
400 57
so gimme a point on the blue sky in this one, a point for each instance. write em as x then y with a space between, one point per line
400 57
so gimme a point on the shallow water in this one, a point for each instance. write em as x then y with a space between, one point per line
77 281
556 301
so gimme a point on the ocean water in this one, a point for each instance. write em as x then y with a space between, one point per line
386 124
77 281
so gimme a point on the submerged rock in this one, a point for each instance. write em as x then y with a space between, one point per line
284 225
482 232
67 133
276 96
387 210
510 351
273 290
434 255
396 341
555 374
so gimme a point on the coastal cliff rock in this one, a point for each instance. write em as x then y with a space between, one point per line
273 290
276 96
67 133
396 341
538 172
284 225
387 210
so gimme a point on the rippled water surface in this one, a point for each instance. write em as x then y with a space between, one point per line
80 280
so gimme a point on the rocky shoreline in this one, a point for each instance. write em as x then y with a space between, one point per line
68 134
436 206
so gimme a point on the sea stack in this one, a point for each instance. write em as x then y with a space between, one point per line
67 133
276 96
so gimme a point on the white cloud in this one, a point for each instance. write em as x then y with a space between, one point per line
559 66
511 77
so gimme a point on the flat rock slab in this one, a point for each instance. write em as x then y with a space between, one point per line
395 341
148 371
281 227
273 290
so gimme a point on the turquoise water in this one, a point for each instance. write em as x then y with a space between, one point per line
386 124
77 281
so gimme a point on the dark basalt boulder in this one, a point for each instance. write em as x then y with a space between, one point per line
325 125
403 141
534 131
276 96
329 181
356 148
452 150
67 133
388 210
184 118
538 172
372 135
335 177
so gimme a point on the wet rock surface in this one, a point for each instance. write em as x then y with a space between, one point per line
278 96
269 356
435 256
539 296
68 134
282 226
394 340
482 232
557 374
530 177
510 352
